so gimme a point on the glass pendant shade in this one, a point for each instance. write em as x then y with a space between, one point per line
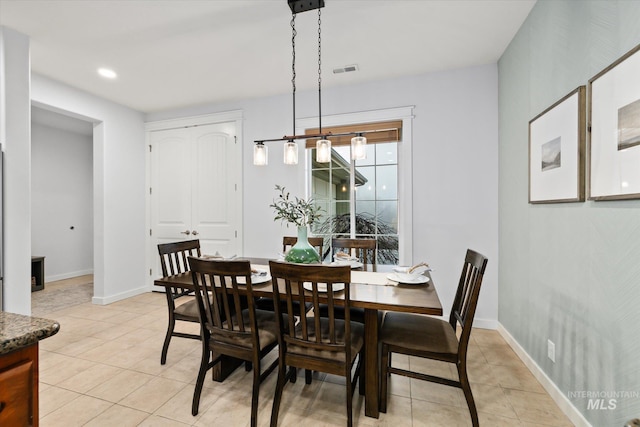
323 151
358 147
291 153
260 155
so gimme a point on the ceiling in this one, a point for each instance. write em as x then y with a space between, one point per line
174 53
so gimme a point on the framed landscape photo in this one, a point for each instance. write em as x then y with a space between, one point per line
614 123
556 151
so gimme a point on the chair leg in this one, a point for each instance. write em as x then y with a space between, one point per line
384 362
361 375
466 388
349 399
255 394
282 380
307 376
170 328
294 375
204 365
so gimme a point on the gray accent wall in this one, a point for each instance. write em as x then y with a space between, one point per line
568 272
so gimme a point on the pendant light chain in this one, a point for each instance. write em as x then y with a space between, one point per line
319 72
293 68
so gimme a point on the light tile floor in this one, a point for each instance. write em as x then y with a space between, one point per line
103 369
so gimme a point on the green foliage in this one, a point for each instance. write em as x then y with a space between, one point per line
295 211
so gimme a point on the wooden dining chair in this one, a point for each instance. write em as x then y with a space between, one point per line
329 344
247 334
365 249
287 243
173 260
436 339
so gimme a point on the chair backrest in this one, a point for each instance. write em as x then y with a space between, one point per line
365 249
466 299
173 256
289 282
316 242
219 297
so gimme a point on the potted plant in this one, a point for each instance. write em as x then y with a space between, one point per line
301 213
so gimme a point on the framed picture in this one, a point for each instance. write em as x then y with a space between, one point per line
614 123
556 151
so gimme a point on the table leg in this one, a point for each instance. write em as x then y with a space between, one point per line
371 363
225 368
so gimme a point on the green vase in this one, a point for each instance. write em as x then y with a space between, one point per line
302 252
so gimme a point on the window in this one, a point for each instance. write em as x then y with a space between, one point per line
360 198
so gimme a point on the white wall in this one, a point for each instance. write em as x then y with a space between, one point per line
61 198
455 166
118 186
15 120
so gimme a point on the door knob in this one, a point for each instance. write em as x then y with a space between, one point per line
195 233
185 232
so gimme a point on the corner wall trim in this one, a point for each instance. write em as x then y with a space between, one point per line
556 394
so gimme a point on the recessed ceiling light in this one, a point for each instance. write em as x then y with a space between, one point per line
107 73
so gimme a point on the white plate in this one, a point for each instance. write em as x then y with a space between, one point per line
256 279
322 287
353 264
417 281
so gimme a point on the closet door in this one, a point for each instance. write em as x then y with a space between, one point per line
215 208
170 192
195 180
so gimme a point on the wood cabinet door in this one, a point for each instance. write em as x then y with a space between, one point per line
16 394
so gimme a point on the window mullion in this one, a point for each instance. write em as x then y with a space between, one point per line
352 205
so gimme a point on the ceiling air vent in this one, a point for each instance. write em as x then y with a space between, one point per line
345 69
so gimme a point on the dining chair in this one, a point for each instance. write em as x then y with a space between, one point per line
436 339
365 252
316 343
173 260
316 242
247 333
287 242
365 249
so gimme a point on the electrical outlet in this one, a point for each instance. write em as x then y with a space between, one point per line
551 351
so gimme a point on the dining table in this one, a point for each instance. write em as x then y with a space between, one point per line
372 291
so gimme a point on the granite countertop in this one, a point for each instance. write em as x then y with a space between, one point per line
18 331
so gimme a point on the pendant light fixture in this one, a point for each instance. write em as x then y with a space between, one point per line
260 154
323 144
358 147
290 153
323 151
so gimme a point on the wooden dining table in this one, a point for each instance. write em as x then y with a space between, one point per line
371 291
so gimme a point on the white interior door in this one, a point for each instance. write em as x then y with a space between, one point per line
195 188
215 215
170 185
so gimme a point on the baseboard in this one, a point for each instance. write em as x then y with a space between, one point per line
70 275
117 297
478 322
556 394
485 323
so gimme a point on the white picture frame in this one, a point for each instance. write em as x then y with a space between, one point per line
614 130
557 139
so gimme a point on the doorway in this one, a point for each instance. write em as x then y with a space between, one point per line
62 205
